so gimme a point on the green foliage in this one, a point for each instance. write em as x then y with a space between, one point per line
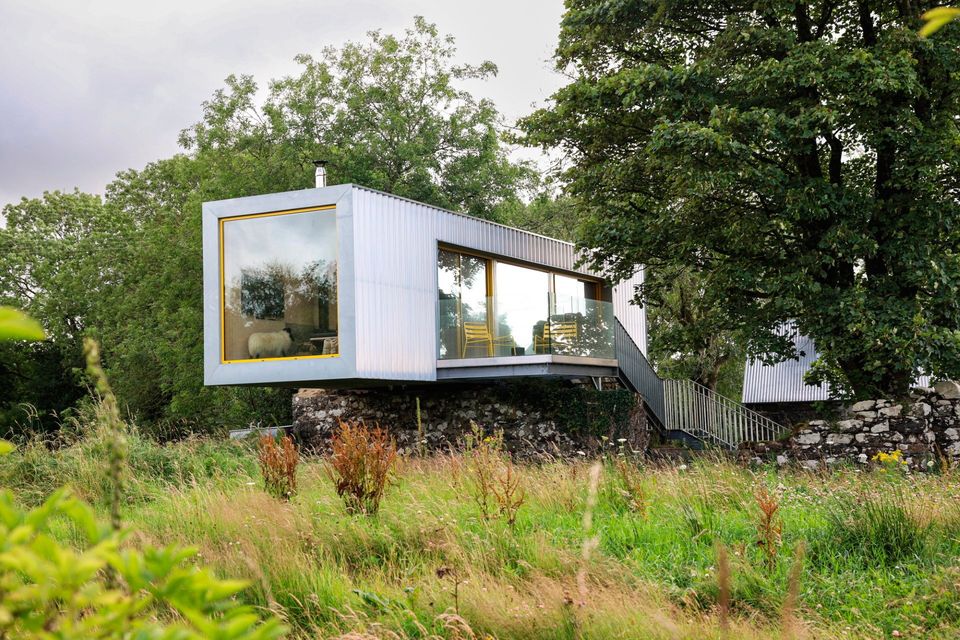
581 410
34 471
53 591
16 325
327 573
935 19
386 113
556 217
800 158
690 335
94 589
879 530
389 112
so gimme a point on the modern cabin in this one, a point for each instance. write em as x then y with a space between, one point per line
780 391
347 287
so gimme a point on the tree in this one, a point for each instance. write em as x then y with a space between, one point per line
386 113
127 269
690 334
59 254
801 157
553 216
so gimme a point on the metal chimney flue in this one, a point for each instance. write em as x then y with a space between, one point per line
320 174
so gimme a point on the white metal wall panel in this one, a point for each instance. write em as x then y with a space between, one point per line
395 243
396 287
631 316
783 382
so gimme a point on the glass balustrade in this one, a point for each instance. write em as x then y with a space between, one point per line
515 325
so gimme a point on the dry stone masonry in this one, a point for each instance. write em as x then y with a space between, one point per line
549 418
925 428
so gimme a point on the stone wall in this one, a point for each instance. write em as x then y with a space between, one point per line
537 417
925 428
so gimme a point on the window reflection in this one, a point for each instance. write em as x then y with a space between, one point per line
517 310
280 285
521 296
462 284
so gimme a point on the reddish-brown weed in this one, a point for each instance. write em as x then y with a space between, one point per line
278 465
361 464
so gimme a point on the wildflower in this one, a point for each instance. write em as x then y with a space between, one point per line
682 467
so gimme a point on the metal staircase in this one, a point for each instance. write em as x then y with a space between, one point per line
687 407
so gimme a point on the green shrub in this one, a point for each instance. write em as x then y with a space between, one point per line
35 470
100 591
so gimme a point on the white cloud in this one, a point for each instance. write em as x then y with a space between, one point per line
91 88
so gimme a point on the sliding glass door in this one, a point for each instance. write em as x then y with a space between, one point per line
520 301
462 289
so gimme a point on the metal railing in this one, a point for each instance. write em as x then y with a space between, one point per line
711 417
638 372
684 405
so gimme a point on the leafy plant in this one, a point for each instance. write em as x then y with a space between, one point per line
890 461
482 453
97 590
936 18
100 591
278 465
16 325
631 485
769 526
494 482
509 492
361 464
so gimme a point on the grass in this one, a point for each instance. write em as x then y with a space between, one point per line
882 548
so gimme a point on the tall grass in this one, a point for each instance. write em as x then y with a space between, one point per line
432 566
880 529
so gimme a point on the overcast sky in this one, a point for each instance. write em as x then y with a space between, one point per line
88 89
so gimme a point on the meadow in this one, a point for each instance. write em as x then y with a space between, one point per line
615 549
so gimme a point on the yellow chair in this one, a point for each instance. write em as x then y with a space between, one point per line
478 333
561 332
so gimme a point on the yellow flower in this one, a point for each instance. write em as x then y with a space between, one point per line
893 459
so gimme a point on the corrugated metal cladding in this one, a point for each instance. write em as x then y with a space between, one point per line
631 316
783 382
395 243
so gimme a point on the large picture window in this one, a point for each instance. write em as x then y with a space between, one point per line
490 307
279 285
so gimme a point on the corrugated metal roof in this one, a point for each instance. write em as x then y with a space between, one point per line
783 382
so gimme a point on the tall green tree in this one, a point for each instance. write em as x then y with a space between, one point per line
59 254
389 112
689 331
800 156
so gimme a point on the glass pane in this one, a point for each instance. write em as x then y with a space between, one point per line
473 288
521 298
448 269
581 327
572 294
280 286
462 284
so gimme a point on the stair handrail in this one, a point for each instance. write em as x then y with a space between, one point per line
639 372
701 411
688 406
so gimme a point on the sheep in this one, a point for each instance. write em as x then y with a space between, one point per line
272 344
